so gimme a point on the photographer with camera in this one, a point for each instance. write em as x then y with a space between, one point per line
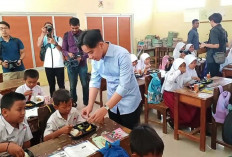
76 61
11 54
53 59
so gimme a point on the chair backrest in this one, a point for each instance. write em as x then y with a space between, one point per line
216 94
43 115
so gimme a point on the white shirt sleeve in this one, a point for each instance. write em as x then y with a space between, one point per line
20 89
50 128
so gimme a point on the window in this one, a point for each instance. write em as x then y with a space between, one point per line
226 2
178 5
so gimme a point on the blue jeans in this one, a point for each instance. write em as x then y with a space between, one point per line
73 78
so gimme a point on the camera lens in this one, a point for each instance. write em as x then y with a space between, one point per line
49 29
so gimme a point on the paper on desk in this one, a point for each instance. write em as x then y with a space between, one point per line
81 150
32 112
99 141
59 154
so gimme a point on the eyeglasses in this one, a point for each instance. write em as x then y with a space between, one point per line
3 28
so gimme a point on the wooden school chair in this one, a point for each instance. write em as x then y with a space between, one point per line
102 88
215 125
161 108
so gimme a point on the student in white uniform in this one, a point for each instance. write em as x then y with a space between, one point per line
15 134
30 88
175 79
64 118
180 46
190 48
145 63
136 64
191 63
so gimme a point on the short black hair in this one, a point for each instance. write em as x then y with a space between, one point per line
145 140
32 73
74 21
195 20
61 95
8 99
90 38
216 17
5 23
48 23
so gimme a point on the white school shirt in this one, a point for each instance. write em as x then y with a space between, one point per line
37 90
138 66
56 121
17 135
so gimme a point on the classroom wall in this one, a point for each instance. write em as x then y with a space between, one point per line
142 10
174 21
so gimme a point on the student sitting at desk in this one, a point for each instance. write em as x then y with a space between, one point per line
175 79
191 63
30 88
145 142
180 46
64 118
145 63
190 48
135 63
15 133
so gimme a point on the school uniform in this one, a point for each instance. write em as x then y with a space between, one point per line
142 65
56 121
37 90
193 52
188 115
189 72
176 52
17 135
137 67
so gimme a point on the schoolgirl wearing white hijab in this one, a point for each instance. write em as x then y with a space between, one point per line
174 79
178 48
145 63
135 63
190 48
191 63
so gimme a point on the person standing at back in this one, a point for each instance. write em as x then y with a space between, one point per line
76 60
216 43
193 36
11 54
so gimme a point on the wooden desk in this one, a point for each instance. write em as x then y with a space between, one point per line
227 71
11 85
201 100
48 147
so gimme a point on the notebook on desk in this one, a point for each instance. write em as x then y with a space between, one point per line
82 149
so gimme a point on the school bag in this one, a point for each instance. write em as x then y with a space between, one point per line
227 127
113 150
221 109
154 95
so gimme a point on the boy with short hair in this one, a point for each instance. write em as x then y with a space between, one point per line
145 142
30 87
64 118
15 133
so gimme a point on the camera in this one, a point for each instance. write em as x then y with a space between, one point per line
49 29
12 65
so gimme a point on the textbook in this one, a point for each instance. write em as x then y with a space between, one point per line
115 135
82 149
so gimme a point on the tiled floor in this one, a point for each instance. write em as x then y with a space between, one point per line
173 148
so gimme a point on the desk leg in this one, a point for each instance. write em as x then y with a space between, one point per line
176 116
203 126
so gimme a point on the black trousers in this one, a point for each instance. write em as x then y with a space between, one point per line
53 74
128 120
213 68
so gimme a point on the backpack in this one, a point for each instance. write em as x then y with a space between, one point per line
227 127
113 150
43 50
154 95
221 109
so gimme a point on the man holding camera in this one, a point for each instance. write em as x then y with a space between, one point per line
11 54
76 61
53 60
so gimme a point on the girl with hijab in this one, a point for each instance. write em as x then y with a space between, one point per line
179 47
191 63
135 63
145 63
174 79
190 48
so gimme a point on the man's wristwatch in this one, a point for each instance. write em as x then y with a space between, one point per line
106 107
